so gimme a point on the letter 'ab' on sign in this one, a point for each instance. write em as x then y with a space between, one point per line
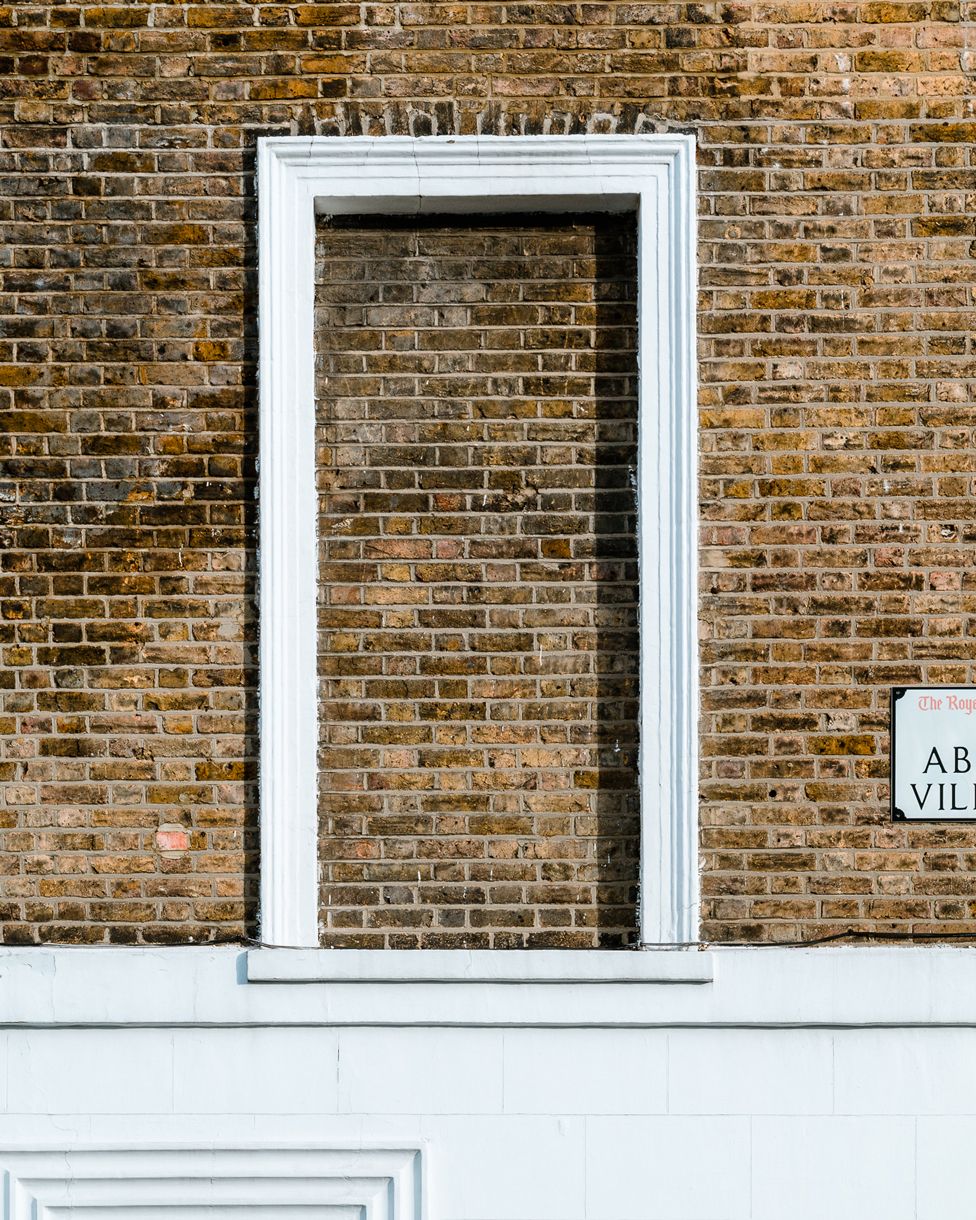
933 753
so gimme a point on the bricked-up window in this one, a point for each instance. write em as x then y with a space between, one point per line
478 644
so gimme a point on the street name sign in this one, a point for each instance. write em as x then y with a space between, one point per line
933 753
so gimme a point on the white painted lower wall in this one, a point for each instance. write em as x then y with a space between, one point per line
647 1100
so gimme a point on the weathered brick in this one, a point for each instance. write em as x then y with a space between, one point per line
570 457
837 452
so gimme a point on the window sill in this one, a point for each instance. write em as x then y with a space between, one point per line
665 966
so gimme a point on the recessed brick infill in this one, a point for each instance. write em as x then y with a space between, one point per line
476 462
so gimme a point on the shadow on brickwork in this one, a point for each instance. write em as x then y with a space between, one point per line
250 524
616 724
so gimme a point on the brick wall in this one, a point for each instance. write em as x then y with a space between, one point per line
478 424
836 371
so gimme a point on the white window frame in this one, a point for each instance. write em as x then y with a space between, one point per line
652 175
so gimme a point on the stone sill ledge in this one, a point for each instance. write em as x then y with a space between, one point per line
479 966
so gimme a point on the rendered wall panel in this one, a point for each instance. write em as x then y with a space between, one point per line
809 1168
700 1115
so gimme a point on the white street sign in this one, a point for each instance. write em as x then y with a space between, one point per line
933 753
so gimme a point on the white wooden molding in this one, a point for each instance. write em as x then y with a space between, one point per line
242 1183
651 174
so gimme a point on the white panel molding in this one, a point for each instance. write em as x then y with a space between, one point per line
650 174
244 1183
288 557
847 987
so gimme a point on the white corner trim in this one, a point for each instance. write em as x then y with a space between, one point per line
653 174
478 966
254 1180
